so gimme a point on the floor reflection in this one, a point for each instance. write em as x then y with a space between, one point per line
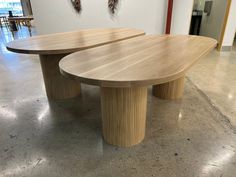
186 137
223 157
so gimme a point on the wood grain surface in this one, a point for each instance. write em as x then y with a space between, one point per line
137 62
170 90
69 42
124 115
56 85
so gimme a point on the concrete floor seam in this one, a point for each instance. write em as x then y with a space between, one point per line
207 98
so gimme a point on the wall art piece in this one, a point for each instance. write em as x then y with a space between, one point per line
112 4
77 5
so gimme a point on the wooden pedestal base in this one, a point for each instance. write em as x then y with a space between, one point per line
170 90
57 86
124 115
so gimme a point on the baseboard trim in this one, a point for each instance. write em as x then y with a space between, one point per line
226 48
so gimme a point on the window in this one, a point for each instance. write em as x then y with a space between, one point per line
10 5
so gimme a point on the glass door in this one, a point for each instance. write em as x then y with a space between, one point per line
10 5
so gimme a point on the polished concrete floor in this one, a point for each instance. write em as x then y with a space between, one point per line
191 137
215 76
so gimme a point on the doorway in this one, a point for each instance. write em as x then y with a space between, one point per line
10 5
16 19
209 19
18 7
234 44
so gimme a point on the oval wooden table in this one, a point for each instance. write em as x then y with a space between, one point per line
125 69
51 48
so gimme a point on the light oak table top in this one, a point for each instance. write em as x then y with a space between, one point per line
53 47
68 42
137 62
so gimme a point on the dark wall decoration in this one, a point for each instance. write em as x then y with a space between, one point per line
112 4
77 5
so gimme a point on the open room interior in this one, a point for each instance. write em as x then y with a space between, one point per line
118 88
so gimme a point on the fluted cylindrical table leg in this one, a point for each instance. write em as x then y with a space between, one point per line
57 86
124 115
170 90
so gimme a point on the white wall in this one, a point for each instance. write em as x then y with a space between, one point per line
181 17
231 26
212 25
58 15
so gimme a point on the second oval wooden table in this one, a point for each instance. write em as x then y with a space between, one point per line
125 69
51 48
